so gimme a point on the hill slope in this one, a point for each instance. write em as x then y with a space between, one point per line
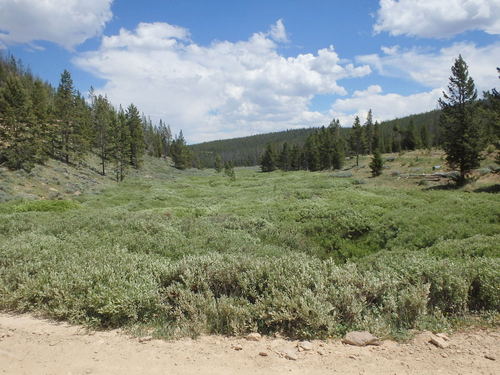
246 151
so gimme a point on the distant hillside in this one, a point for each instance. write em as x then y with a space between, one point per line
246 151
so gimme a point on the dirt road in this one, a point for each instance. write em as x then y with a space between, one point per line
34 346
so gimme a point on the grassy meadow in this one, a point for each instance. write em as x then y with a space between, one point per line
305 254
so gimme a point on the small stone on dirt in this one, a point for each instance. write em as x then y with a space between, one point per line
360 338
305 345
263 354
490 357
443 336
145 339
290 355
439 342
237 347
253 336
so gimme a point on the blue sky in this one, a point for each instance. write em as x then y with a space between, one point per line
219 69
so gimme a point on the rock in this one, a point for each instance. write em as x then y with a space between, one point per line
443 336
439 342
237 347
263 354
490 357
436 167
253 336
145 339
305 345
290 355
444 355
320 352
360 338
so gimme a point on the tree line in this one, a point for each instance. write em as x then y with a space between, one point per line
395 135
39 122
327 147
463 127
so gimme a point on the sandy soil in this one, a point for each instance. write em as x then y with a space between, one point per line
33 346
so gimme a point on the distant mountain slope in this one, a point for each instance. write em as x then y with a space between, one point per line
246 151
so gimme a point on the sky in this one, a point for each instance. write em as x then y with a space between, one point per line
224 68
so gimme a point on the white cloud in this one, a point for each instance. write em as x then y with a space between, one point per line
437 18
64 22
432 69
383 106
278 32
222 90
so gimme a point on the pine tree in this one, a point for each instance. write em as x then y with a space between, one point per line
284 158
180 153
103 118
378 141
338 152
312 153
70 143
166 138
357 140
295 158
324 141
368 128
461 133
136 136
120 145
19 139
218 163
229 170
411 139
42 110
396 139
377 164
425 137
268 161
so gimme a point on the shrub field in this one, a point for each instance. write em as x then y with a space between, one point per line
300 253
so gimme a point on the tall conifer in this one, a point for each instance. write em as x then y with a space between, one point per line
461 133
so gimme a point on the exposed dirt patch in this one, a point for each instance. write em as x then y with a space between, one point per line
33 346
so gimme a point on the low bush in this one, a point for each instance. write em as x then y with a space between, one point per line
295 295
298 253
40 206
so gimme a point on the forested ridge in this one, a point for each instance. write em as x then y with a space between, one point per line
247 151
39 121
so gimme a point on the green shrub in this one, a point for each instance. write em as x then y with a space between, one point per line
313 257
40 206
